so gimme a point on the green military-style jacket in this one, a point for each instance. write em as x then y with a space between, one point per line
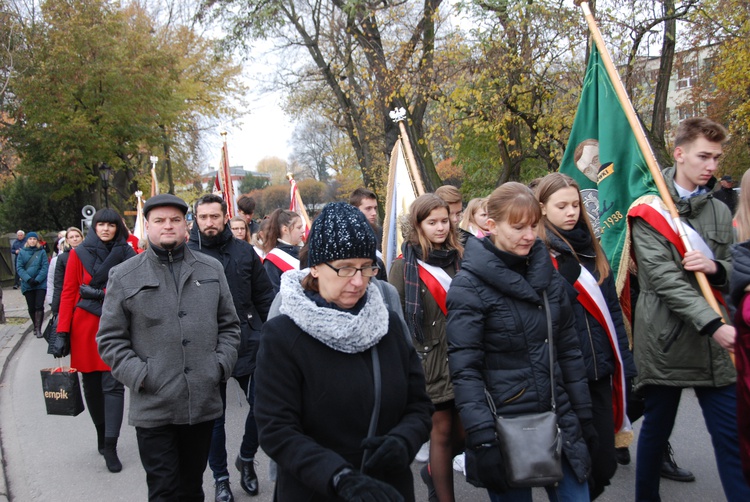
671 311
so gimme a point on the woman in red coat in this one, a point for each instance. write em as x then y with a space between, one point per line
78 321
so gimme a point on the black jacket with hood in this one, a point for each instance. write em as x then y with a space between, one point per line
497 339
251 290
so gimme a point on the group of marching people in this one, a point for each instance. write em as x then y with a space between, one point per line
354 374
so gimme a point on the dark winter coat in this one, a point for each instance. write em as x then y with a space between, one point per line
274 272
434 350
741 298
595 345
497 338
313 407
32 265
170 346
251 290
62 263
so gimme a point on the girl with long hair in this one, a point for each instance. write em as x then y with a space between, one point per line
81 301
566 230
422 276
281 244
73 237
474 221
240 229
498 306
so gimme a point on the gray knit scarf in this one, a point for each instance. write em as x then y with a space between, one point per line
341 331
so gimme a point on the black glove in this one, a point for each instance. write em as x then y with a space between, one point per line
33 282
387 453
59 345
590 436
356 487
90 293
485 468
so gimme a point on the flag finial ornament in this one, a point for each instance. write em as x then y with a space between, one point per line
398 114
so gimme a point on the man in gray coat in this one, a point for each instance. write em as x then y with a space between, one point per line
170 332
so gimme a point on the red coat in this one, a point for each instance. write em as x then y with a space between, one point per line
742 355
81 325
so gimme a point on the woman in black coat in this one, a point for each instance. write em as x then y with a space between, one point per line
281 244
590 285
73 237
498 340
315 392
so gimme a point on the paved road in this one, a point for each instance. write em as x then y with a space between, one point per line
50 458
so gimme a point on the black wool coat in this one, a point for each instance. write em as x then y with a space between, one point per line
497 339
313 406
252 292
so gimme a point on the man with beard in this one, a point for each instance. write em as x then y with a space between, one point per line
252 293
169 332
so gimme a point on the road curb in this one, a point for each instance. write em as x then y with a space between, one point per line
6 354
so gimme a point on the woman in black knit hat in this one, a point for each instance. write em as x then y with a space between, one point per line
340 396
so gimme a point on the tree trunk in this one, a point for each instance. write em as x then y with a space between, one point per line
658 118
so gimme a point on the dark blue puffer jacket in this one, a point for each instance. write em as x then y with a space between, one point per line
497 338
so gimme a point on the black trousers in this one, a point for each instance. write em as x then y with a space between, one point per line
603 462
174 457
35 301
105 399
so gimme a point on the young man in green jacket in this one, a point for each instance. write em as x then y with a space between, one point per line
680 341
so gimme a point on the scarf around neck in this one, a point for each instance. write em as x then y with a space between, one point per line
340 330
412 300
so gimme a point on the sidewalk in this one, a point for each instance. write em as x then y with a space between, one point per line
11 334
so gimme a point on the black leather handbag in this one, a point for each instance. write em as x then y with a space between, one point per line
532 444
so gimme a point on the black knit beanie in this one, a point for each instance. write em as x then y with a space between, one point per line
339 233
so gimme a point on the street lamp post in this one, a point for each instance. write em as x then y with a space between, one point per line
105 171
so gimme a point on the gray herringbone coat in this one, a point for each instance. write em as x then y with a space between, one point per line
171 349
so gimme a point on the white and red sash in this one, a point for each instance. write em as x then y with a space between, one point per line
437 281
591 298
260 253
283 260
652 210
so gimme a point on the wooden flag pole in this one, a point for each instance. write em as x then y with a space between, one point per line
298 201
645 148
399 115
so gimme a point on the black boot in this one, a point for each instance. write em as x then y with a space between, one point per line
100 438
622 455
222 491
670 469
110 455
248 478
38 321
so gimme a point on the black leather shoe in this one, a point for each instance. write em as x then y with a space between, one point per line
223 492
248 478
670 469
622 455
